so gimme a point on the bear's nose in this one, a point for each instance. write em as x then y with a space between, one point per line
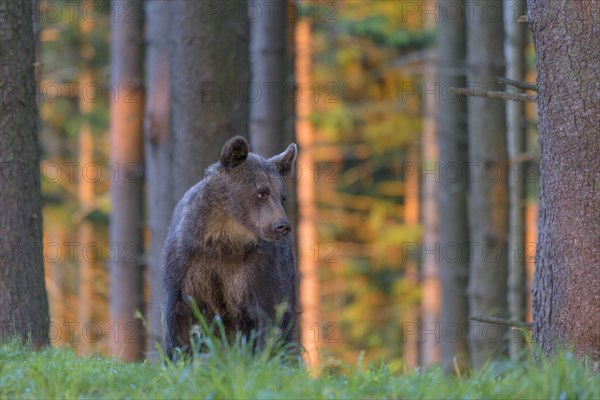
282 227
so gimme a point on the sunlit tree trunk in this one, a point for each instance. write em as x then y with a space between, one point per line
127 189
157 135
430 343
514 49
85 229
566 303
307 234
85 193
488 192
454 231
410 352
210 73
531 212
23 299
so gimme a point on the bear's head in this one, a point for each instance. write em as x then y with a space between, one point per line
254 188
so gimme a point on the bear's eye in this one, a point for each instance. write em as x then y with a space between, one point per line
283 199
262 193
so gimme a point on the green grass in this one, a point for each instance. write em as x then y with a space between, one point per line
232 372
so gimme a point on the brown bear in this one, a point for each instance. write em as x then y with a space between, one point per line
229 250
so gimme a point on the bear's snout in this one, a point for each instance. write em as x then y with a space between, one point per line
282 228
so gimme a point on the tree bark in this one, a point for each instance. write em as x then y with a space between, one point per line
267 59
452 194
514 52
210 75
566 296
488 192
127 162
23 299
157 134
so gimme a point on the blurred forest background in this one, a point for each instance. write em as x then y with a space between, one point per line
361 99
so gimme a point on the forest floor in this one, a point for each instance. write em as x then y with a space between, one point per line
232 372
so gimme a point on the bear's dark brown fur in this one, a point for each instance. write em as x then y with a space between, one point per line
229 250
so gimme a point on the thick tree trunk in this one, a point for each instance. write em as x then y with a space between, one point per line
157 134
452 194
23 299
566 304
127 162
210 74
267 57
514 50
488 193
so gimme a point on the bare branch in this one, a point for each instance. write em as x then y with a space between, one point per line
502 321
523 157
517 84
493 94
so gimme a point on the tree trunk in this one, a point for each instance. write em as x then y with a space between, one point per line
23 302
452 199
127 162
289 110
514 51
85 191
157 155
430 347
566 304
270 110
410 352
267 59
531 212
210 74
85 228
307 234
488 193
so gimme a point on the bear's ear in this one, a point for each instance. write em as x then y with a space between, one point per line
235 151
284 162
